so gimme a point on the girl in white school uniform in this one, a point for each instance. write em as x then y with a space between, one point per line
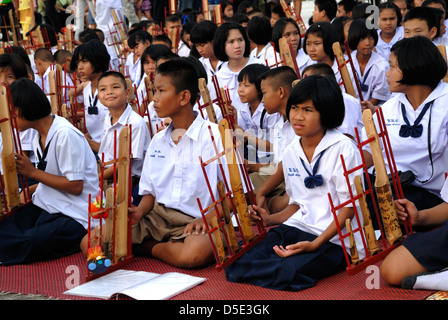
232 46
370 68
53 225
305 247
288 29
319 39
90 60
390 30
416 118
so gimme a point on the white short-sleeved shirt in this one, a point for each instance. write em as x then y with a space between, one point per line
252 122
172 172
444 192
69 155
210 73
229 79
353 115
94 122
266 54
260 128
282 136
373 79
383 48
412 153
338 74
314 215
135 72
139 134
183 50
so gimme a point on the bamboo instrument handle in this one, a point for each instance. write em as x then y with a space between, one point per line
344 70
207 100
235 180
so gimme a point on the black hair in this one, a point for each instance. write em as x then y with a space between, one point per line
197 65
224 5
240 18
359 31
162 38
278 10
420 61
44 54
186 29
259 30
348 5
252 74
203 32
277 31
329 6
326 96
426 14
391 5
20 51
139 36
87 35
93 51
154 52
282 76
441 2
322 69
33 105
325 31
174 17
183 76
360 10
113 74
61 55
244 5
338 25
220 40
16 63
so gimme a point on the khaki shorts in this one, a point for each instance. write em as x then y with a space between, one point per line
160 224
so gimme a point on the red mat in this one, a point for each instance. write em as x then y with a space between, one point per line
52 278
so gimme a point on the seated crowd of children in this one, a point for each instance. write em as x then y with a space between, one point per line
294 123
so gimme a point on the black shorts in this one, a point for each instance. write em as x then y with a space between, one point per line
430 248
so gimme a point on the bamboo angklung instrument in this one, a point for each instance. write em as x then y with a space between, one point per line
382 184
131 95
348 84
372 245
352 244
235 181
206 10
122 200
218 240
217 12
288 56
8 153
227 218
205 94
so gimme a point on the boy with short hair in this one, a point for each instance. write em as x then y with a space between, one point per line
173 22
44 62
324 10
276 85
345 8
421 21
112 93
172 178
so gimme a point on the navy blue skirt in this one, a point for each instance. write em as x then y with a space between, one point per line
32 234
430 248
261 266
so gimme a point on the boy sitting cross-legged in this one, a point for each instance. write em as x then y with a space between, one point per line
172 177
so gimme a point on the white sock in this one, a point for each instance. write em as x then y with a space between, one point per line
432 281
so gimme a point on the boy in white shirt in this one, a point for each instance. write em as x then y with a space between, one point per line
112 93
172 178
